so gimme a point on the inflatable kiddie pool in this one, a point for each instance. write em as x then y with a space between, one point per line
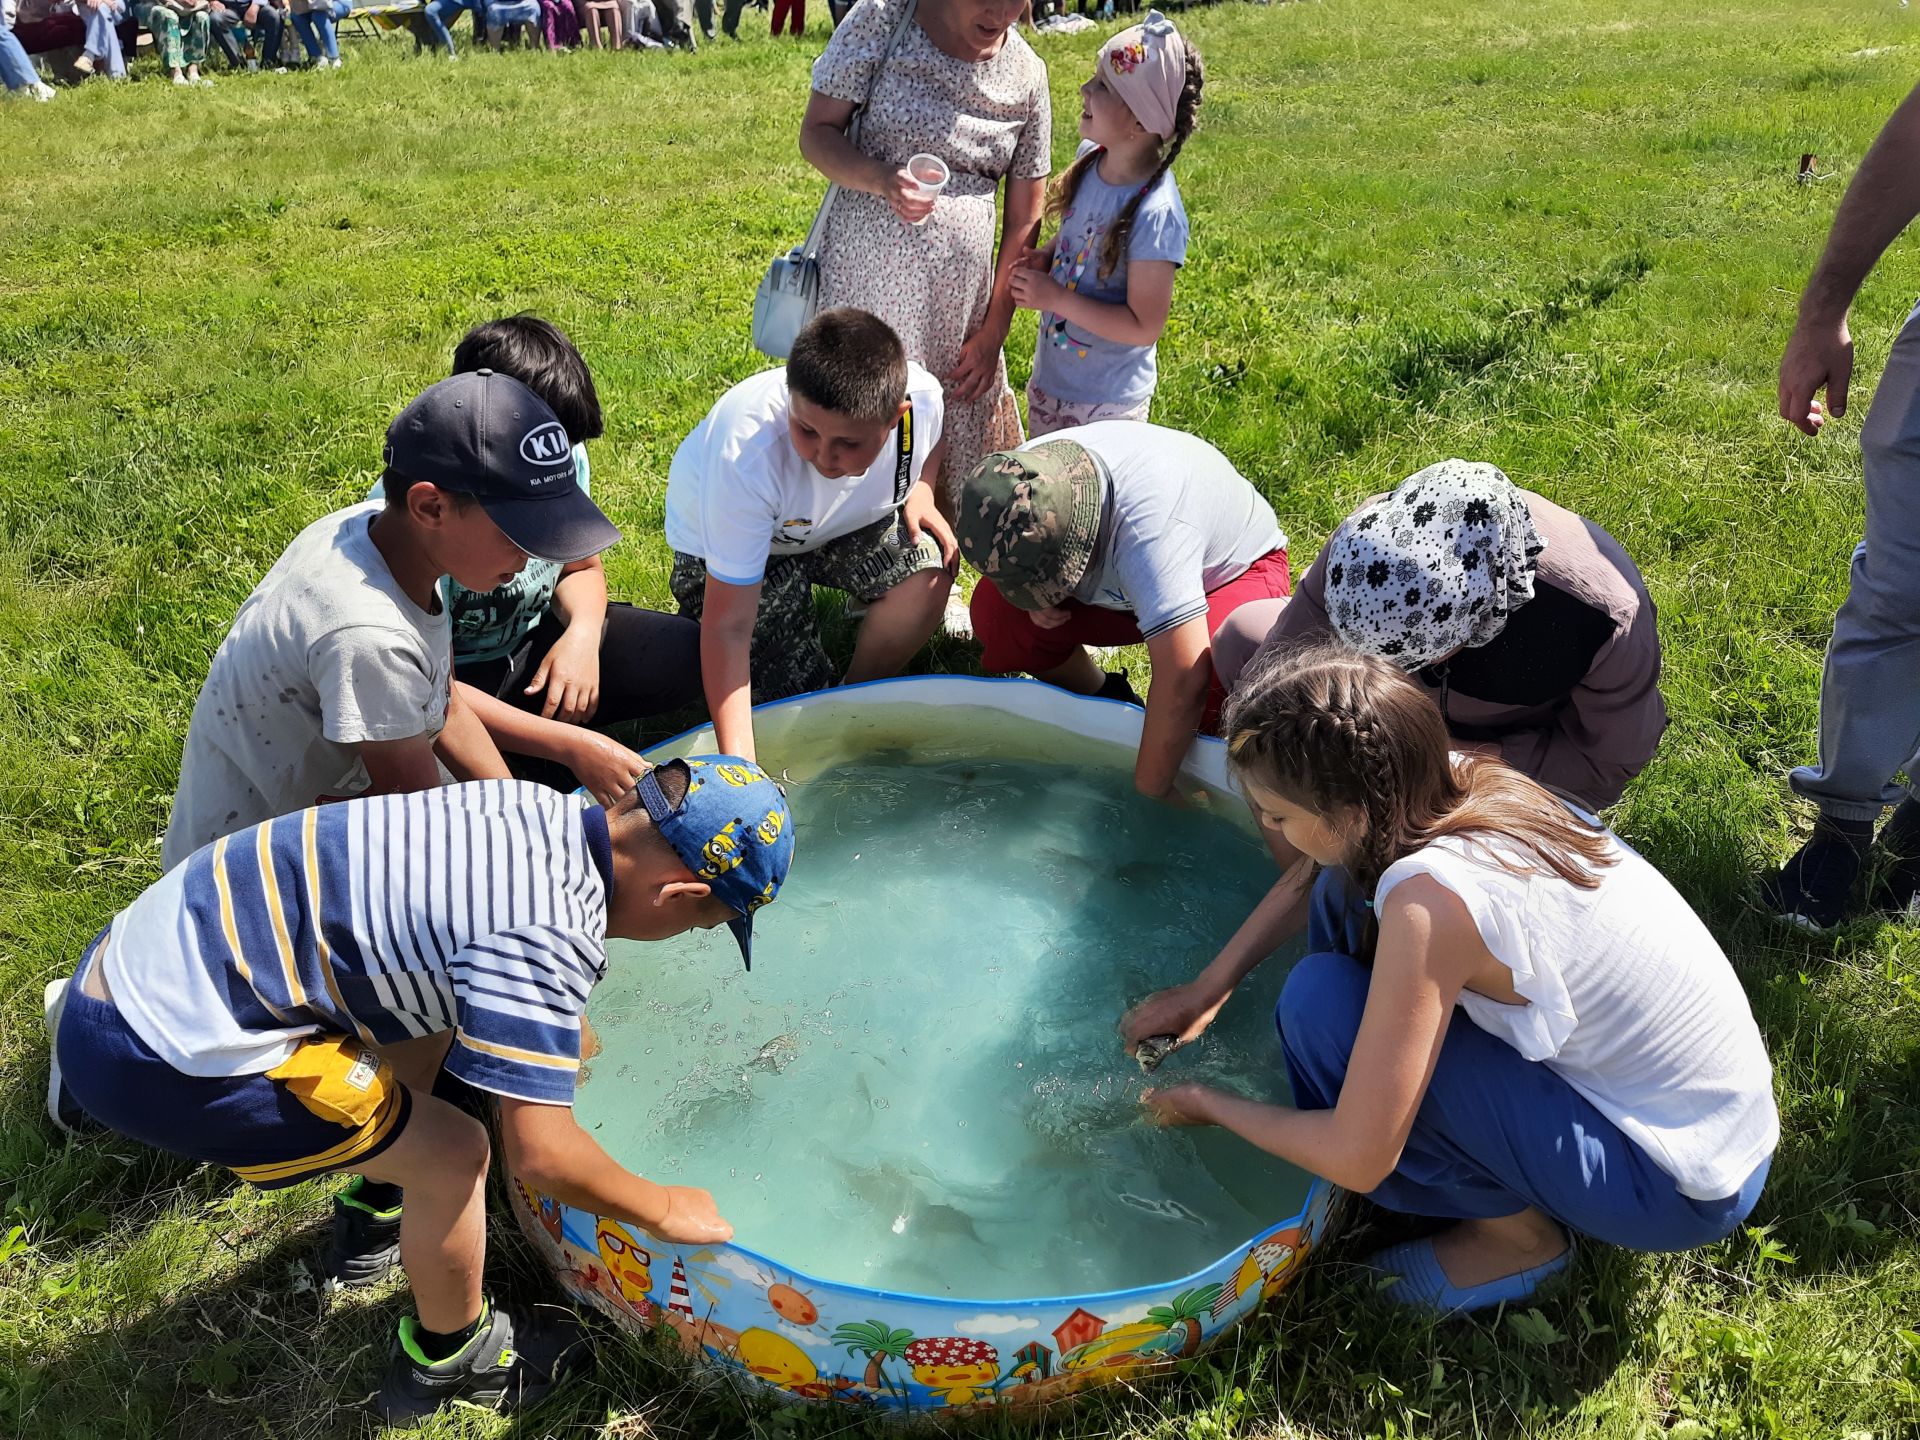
890 1335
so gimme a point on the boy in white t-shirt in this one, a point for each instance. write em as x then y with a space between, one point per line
335 677
819 474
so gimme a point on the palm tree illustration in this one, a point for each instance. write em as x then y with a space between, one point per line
879 1342
1188 1311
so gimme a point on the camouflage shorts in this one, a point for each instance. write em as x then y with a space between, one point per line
788 658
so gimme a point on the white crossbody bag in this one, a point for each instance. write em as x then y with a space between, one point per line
789 294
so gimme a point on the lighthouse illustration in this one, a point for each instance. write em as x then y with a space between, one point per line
678 1300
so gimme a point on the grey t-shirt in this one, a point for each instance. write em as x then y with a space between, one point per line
326 654
1179 522
1070 363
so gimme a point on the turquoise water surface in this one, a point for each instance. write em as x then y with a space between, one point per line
919 1087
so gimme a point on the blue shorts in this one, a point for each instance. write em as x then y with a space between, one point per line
333 1105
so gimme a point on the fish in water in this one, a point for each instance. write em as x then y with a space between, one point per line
1152 1050
776 1054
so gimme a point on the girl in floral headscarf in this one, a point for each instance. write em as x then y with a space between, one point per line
1527 624
1105 283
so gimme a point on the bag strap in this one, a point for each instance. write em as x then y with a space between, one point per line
817 234
903 462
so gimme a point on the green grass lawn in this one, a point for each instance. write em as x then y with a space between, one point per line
1562 236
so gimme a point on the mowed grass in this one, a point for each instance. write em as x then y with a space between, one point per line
1564 237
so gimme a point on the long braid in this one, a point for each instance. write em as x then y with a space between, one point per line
1352 739
1185 116
1060 193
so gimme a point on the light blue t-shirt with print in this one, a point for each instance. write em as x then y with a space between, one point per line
1070 364
492 624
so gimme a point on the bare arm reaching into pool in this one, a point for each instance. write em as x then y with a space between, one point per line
1880 203
546 1148
1428 951
1185 1011
1175 703
726 653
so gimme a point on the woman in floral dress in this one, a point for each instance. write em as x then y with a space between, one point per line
961 85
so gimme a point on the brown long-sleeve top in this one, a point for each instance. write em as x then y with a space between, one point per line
1570 689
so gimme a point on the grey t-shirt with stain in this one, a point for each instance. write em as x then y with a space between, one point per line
327 653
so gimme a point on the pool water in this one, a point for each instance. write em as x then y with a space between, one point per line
920 1088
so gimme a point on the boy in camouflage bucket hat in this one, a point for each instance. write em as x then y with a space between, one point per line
1029 519
1112 534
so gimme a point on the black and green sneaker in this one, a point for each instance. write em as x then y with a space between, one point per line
513 1360
365 1245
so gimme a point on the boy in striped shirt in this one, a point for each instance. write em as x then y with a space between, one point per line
286 1000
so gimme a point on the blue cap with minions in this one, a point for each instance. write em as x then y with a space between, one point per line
732 830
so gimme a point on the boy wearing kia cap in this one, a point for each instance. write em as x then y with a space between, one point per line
308 996
334 678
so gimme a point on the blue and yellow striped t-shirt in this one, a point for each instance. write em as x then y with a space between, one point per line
480 909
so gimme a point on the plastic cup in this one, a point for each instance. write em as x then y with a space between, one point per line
929 175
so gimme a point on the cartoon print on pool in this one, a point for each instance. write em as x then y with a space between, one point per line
792 1304
543 1208
877 1342
779 1362
1269 1266
1182 1321
628 1262
956 1368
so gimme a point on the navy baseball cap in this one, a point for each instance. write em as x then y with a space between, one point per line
489 436
732 829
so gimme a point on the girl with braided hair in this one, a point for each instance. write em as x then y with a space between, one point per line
1505 1018
1105 283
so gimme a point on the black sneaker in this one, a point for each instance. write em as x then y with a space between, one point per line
1814 890
1895 888
365 1246
1119 687
514 1359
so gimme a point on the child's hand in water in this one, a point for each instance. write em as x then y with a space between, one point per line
692 1218
1181 1104
1184 1011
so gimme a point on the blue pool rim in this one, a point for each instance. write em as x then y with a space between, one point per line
1082 1300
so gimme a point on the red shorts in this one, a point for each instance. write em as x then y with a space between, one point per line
1010 641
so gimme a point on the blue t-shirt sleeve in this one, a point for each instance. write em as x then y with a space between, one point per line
1160 227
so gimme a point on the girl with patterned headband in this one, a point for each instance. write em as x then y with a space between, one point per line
1104 285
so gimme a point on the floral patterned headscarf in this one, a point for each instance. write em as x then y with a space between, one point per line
1146 66
1436 566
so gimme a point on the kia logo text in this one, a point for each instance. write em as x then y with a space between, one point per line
544 444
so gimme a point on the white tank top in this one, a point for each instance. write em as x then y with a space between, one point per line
1631 1001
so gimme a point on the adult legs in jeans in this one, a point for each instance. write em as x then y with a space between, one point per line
316 31
102 45
1495 1134
502 13
16 69
439 12
234 25
1870 688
